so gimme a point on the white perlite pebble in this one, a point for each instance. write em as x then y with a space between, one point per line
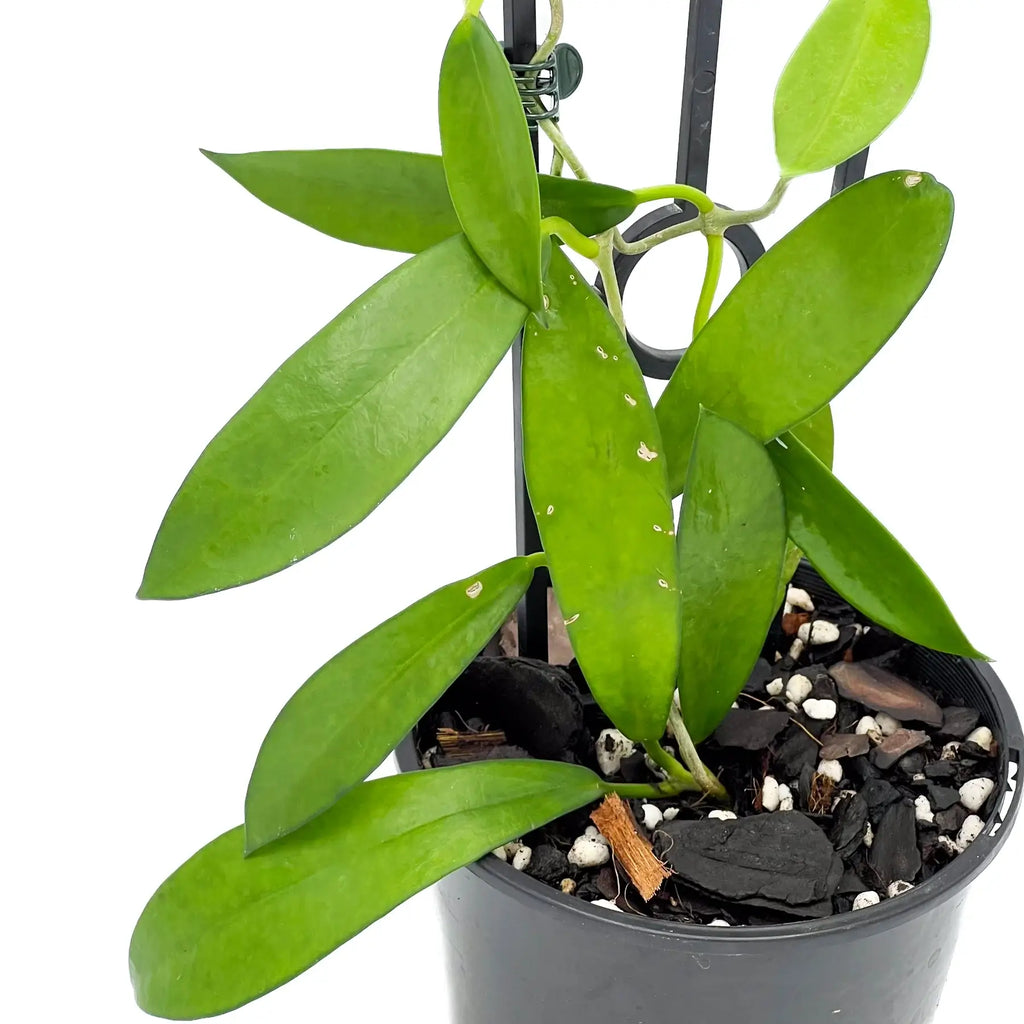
775 687
521 861
719 923
923 810
866 899
975 792
796 648
818 632
898 888
611 747
785 797
607 904
868 726
983 737
770 793
800 599
653 817
500 853
950 752
831 769
820 710
949 845
887 725
841 795
972 827
869 835
798 689
722 815
793 709
590 851
670 813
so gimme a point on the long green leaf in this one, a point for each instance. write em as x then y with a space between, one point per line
390 199
858 556
848 80
338 426
597 480
811 312
732 538
488 159
350 714
225 929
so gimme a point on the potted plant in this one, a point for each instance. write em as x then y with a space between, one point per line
667 615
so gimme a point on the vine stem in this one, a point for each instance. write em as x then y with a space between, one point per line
473 7
672 768
547 47
712 275
688 752
606 265
720 219
572 236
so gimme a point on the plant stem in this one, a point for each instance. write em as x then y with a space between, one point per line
573 237
558 140
554 33
719 219
537 560
473 7
688 752
606 265
685 192
665 235
664 760
716 246
655 791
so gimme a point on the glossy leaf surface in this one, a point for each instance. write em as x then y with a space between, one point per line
811 312
732 539
390 199
848 80
338 426
348 716
596 477
224 928
488 159
858 556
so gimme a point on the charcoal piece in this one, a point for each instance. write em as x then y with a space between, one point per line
589 891
804 784
861 770
761 675
536 704
796 750
951 820
942 797
851 883
972 752
881 690
940 770
959 723
879 793
549 864
849 820
824 688
911 764
781 859
894 854
634 768
844 745
893 747
607 881
875 644
750 730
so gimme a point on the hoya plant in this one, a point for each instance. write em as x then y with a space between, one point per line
666 615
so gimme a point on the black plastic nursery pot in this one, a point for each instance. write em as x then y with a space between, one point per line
518 950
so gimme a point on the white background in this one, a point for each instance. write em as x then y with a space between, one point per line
146 296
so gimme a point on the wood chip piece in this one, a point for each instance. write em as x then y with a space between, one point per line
881 690
615 822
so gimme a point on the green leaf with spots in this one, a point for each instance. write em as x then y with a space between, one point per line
848 80
597 480
350 714
338 426
811 312
488 159
818 433
225 929
394 200
858 556
732 539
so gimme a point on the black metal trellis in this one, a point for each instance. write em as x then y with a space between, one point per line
698 101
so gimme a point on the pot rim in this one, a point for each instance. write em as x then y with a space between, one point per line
944 884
